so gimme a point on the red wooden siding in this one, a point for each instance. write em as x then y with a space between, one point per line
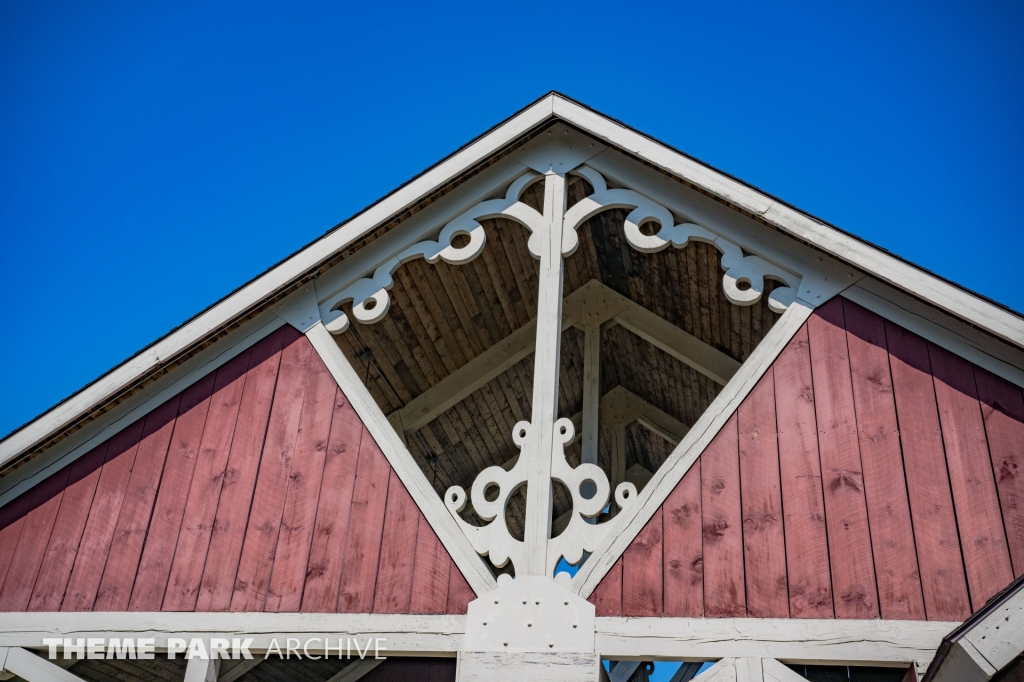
258 488
868 474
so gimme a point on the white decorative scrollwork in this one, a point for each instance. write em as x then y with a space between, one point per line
494 539
748 272
369 295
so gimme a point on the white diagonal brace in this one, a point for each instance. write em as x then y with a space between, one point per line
28 666
632 520
202 669
451 536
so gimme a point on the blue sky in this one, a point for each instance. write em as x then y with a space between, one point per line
157 155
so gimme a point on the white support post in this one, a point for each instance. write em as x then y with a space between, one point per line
591 391
232 669
541 442
591 420
202 669
28 666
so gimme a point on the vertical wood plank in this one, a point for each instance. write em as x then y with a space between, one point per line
68 527
162 537
366 524
885 484
103 514
261 532
1002 407
133 519
204 491
304 484
236 491
459 592
931 501
764 542
854 591
982 537
684 552
724 588
803 504
327 550
35 534
431 573
12 518
393 593
607 596
642 567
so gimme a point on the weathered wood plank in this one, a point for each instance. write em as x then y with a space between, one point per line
304 486
1002 407
122 562
459 592
162 536
642 571
103 513
323 574
931 502
204 492
12 518
366 524
764 542
393 592
684 552
68 527
809 575
975 499
607 596
261 533
722 525
236 491
885 486
35 533
431 572
854 590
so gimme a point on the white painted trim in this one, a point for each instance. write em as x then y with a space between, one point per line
633 518
265 286
793 640
137 406
943 330
406 634
32 668
987 644
202 670
472 566
960 303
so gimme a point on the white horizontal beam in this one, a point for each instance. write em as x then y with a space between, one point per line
793 640
405 634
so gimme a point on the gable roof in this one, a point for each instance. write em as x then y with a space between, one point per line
260 294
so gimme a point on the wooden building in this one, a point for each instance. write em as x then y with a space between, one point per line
568 404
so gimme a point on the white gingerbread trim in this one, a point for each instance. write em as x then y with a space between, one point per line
739 269
370 300
632 520
451 536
